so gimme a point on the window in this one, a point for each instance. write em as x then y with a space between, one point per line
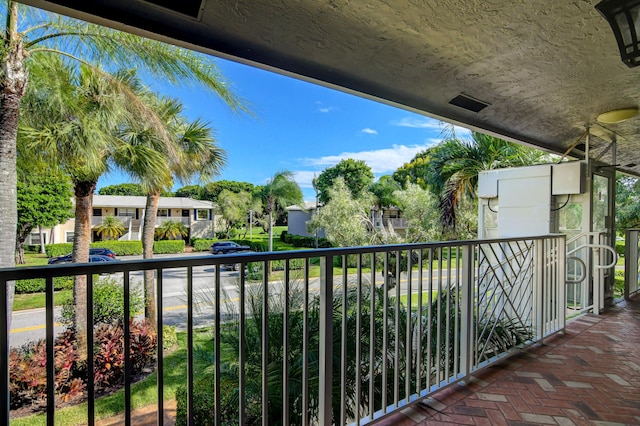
35 238
127 212
163 212
185 213
203 214
68 236
97 212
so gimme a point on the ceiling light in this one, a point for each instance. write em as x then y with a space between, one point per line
617 115
624 18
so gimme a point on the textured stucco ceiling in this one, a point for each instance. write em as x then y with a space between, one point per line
546 68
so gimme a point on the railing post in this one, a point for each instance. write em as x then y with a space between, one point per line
326 340
4 354
538 288
467 307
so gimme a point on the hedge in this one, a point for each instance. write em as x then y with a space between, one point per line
37 285
620 248
168 246
120 248
309 242
202 244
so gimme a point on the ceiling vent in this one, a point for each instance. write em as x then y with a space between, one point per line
189 8
468 103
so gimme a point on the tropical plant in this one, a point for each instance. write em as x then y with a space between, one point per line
171 230
455 163
191 152
111 228
281 190
33 37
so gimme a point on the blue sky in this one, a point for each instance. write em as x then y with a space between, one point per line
300 127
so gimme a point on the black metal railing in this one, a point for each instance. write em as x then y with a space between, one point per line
332 336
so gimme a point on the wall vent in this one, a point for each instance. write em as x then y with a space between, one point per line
189 8
468 103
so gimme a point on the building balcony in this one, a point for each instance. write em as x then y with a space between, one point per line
390 340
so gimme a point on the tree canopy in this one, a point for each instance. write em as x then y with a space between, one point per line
212 190
43 200
122 189
356 174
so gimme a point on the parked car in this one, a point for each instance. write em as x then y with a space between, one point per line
226 247
93 258
92 252
236 266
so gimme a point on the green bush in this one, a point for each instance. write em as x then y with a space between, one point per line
37 285
168 246
55 250
120 248
108 303
202 244
309 242
203 402
620 248
169 337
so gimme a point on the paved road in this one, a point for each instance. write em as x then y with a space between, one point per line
28 326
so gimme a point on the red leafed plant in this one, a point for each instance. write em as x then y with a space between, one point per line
27 366
28 374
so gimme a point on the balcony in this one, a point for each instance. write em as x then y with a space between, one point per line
324 344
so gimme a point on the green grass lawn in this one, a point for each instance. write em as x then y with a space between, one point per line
143 393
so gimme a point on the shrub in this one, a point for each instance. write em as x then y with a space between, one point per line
309 242
120 248
168 246
109 355
620 248
28 376
283 236
202 244
37 285
169 337
203 402
55 250
108 303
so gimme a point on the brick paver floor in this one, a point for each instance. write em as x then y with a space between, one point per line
590 375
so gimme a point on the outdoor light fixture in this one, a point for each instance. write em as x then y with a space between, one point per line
624 18
617 115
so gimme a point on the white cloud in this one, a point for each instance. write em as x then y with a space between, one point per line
324 108
385 160
304 178
369 131
428 123
418 123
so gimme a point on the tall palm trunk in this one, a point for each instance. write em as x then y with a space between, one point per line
13 82
81 240
148 231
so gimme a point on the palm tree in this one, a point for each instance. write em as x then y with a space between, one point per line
455 163
171 230
30 37
193 152
281 190
111 228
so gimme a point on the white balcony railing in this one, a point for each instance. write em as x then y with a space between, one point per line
345 347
